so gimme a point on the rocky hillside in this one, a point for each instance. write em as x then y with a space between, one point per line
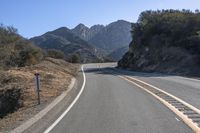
113 36
91 44
165 41
117 54
64 40
107 39
86 33
82 31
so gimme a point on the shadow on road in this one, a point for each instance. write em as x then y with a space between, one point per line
117 71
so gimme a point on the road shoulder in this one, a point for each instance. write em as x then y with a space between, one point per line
49 117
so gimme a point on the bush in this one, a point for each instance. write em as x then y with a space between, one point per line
57 54
10 100
75 58
15 51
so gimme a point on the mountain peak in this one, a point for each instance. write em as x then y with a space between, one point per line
97 26
81 30
121 20
62 29
81 26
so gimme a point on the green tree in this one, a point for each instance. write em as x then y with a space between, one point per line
53 53
17 51
75 58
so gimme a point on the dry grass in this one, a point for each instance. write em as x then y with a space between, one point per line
55 77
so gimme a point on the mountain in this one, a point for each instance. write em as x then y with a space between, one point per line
165 41
113 36
64 40
117 54
92 43
86 33
94 30
107 39
82 31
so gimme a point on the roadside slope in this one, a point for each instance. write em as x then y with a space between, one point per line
55 77
165 41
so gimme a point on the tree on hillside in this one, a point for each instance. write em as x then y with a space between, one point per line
165 40
53 53
75 58
169 28
17 51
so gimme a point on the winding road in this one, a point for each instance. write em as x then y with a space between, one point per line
110 104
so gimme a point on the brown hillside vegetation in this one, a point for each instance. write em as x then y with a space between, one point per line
16 51
17 89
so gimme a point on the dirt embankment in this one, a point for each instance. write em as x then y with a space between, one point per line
170 60
18 99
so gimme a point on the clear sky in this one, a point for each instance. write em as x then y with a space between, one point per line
35 17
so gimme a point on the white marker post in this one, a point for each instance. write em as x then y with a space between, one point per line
37 78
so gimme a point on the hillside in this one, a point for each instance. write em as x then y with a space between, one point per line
86 33
117 54
93 44
20 60
16 51
165 41
64 40
17 90
106 39
113 36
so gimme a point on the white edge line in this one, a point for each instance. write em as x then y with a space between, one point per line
177 119
178 99
185 119
70 106
43 112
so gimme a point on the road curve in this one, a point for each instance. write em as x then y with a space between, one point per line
110 104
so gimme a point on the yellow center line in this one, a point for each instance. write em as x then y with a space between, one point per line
184 117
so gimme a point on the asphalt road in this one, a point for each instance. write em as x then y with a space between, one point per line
110 104
187 89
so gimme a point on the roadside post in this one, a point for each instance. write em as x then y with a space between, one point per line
37 78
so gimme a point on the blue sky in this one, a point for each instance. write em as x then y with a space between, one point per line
35 17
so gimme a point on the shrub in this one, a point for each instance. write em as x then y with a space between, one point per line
10 100
75 58
16 51
53 53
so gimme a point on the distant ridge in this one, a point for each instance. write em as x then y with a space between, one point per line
87 33
92 44
63 39
109 38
